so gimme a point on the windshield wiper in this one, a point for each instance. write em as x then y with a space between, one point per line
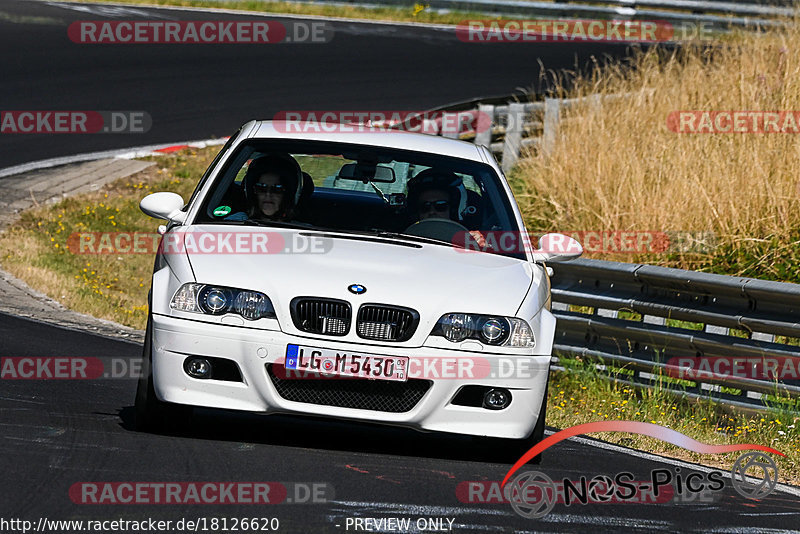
380 193
397 235
279 224
379 233
370 233
267 224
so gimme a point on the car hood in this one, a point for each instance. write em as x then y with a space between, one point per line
432 279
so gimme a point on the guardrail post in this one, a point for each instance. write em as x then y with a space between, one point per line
483 126
552 113
516 117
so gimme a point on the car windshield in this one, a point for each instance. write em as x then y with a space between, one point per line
360 189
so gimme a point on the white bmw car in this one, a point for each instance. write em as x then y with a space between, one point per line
367 276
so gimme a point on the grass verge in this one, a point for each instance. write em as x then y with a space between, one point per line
583 394
619 167
109 286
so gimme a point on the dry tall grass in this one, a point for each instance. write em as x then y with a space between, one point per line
618 166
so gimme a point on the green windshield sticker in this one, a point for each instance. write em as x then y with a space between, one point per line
222 211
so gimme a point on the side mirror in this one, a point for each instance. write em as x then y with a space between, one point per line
556 248
164 206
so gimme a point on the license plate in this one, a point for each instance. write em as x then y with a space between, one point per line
339 363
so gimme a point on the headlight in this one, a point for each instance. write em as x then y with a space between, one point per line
495 330
456 326
214 300
521 334
491 330
219 300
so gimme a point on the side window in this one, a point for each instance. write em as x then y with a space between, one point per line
470 184
211 167
240 175
228 196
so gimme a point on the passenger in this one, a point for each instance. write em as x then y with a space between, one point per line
272 186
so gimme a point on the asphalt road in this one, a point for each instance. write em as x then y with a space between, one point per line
198 91
58 433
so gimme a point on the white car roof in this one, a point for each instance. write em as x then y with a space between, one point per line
364 135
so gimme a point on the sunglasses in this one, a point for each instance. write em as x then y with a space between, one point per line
436 205
276 189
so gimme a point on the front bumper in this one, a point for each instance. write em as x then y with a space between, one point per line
175 339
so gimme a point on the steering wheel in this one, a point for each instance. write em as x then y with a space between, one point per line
436 228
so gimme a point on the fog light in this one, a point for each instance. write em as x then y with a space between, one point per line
496 399
197 367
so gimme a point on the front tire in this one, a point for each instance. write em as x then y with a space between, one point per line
152 414
515 448
538 431
509 450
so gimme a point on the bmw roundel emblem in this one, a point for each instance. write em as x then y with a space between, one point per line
357 289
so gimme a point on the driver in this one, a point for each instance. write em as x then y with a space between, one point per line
434 195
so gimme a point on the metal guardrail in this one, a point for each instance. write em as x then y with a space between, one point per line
717 14
636 317
696 6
